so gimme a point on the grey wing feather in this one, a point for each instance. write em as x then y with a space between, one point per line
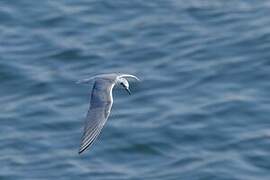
100 106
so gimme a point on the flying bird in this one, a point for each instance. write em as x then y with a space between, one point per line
100 104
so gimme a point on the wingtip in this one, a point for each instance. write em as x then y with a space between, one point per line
138 79
83 148
81 151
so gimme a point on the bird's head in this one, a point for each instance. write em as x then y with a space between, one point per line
125 84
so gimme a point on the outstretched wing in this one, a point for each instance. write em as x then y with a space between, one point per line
129 76
99 110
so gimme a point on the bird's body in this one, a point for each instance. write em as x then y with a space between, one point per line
100 104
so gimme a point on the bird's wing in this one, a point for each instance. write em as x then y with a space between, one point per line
129 76
100 106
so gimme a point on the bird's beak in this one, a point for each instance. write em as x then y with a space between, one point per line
128 91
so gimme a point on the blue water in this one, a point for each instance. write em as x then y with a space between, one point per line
201 111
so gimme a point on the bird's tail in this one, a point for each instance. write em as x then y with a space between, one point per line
85 80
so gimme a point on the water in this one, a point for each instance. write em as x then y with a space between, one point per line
200 113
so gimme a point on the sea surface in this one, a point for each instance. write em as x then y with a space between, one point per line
200 112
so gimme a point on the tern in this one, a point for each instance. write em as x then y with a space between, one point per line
100 104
